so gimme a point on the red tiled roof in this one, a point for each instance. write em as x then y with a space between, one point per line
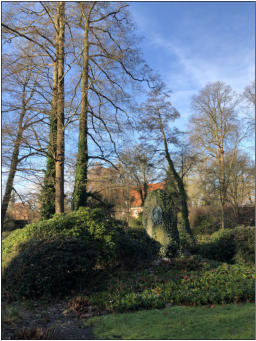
135 195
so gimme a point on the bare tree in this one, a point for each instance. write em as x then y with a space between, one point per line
23 113
59 160
110 63
109 187
184 158
157 114
249 96
214 128
32 25
139 165
249 93
240 177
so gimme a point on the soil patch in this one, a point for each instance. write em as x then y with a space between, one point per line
43 321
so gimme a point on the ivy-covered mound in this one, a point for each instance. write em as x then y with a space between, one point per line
56 255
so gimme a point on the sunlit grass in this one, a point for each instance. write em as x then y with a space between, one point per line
232 321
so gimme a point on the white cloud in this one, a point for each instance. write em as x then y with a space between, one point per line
191 72
235 69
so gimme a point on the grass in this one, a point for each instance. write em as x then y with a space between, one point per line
232 321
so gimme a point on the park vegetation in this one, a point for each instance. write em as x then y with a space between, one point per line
85 122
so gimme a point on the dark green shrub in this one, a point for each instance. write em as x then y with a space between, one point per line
134 247
245 244
206 226
230 245
79 224
185 241
50 267
221 246
204 220
170 250
58 253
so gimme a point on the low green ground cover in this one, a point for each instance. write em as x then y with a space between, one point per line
157 286
178 322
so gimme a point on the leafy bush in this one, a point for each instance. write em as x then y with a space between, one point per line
206 226
185 241
40 258
221 246
170 250
230 245
79 224
245 244
134 246
50 267
204 220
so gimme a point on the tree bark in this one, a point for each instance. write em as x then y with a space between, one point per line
14 159
48 190
180 185
80 187
222 190
59 160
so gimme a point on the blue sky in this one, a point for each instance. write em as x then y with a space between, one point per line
193 43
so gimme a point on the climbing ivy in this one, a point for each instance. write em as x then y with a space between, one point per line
47 196
170 223
178 196
164 228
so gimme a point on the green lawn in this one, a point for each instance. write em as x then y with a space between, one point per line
231 321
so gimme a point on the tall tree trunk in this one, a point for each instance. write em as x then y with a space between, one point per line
48 190
180 185
59 160
14 159
80 188
222 191
183 197
143 191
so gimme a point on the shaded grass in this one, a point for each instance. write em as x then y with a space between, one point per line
232 321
